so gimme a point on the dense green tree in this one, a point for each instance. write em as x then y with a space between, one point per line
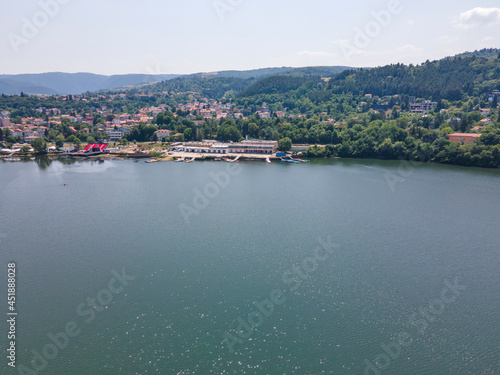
39 145
74 139
285 144
142 133
494 102
490 136
188 134
228 133
59 141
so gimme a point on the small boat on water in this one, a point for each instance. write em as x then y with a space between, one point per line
291 160
151 161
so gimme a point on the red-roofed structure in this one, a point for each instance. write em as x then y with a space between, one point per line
464 137
93 147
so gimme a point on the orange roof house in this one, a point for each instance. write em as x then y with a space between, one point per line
464 137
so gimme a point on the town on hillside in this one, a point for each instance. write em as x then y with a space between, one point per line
108 126
310 116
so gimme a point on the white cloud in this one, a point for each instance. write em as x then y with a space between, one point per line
478 17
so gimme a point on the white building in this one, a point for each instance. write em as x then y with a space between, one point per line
162 133
204 148
116 133
423 107
254 147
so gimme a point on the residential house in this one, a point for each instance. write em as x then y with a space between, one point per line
5 123
423 107
485 112
162 133
28 133
16 132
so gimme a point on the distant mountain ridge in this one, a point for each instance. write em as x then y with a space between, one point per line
78 83
243 74
322 71
72 83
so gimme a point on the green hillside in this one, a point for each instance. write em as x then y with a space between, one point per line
448 79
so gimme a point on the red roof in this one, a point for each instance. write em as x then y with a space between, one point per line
91 146
474 135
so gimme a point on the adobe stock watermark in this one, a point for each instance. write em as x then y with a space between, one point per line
293 279
87 311
154 67
364 36
405 169
420 321
31 27
212 189
223 6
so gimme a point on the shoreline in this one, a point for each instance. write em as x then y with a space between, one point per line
173 156
191 157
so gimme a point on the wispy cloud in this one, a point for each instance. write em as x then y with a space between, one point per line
478 17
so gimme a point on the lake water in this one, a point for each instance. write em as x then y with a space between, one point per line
331 267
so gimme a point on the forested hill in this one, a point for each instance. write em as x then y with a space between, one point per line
72 83
452 78
277 84
210 87
243 74
449 79
486 53
230 84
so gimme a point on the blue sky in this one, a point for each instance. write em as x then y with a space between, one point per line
161 36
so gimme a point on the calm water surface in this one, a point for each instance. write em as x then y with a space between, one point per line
402 235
